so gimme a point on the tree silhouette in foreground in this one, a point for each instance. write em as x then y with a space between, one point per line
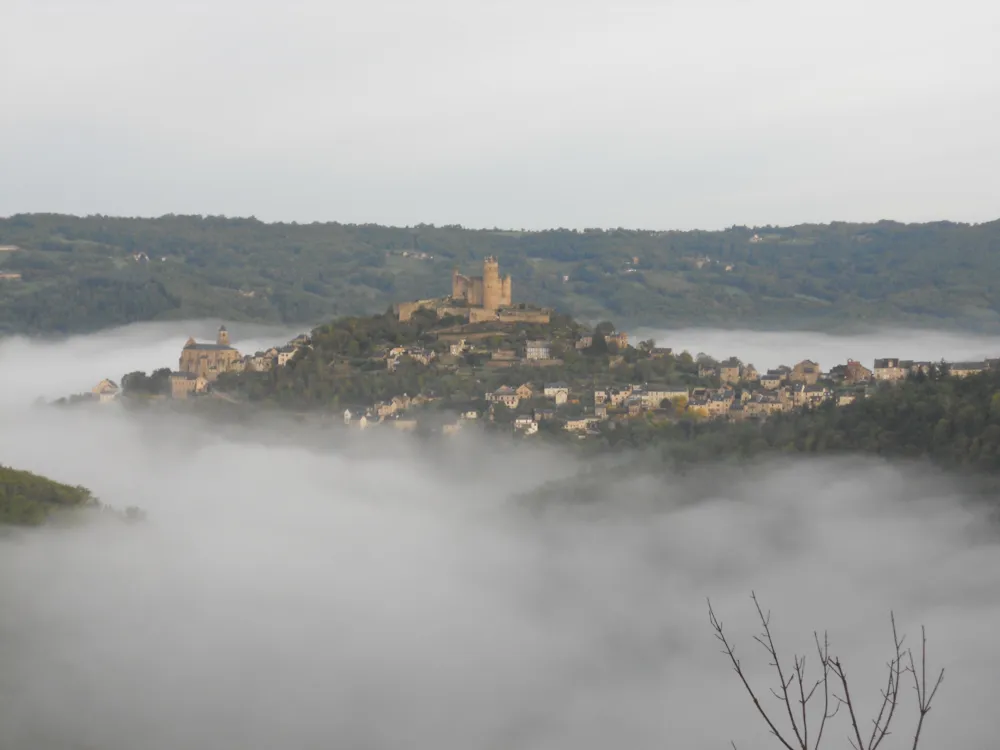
795 690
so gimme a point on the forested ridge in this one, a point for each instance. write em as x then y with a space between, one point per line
27 499
84 273
952 422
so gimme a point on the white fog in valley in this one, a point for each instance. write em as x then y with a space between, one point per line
394 594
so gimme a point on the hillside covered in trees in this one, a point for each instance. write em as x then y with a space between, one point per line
28 499
62 274
952 422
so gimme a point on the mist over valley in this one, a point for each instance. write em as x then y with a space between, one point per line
302 593
499 376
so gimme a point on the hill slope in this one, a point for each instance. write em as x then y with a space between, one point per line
82 273
28 499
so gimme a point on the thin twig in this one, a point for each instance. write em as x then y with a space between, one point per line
920 683
728 650
765 622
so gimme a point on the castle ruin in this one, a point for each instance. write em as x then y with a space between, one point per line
478 299
488 291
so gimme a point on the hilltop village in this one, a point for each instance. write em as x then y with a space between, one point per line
474 357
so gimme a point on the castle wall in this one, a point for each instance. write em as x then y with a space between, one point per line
524 316
469 288
483 294
481 314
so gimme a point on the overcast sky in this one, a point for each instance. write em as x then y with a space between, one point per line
522 113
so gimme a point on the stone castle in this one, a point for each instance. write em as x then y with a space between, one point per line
478 299
488 291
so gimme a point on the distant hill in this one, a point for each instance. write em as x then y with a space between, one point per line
79 274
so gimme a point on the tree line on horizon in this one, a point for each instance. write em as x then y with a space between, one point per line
80 274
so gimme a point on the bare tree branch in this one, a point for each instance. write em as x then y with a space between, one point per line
920 683
767 641
729 651
799 719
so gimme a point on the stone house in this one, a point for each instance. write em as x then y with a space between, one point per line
261 362
719 403
763 404
504 395
729 373
698 405
619 340
915 368
285 354
536 350
524 392
613 396
806 371
816 394
772 379
654 395
580 424
558 392
183 384
855 372
633 404
525 425
965 369
889 369
846 397
105 391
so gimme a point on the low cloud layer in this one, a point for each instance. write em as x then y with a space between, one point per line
294 594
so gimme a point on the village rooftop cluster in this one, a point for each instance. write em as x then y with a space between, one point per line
526 369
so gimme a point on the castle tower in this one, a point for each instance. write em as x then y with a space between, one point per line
505 296
492 286
223 337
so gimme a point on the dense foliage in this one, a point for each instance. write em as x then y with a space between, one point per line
345 366
27 499
81 273
953 422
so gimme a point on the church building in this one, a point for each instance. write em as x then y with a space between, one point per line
209 360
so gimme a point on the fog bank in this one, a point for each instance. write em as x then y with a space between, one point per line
41 368
306 597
